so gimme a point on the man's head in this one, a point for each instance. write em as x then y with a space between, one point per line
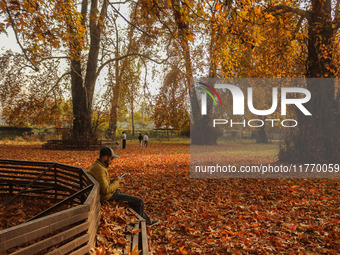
107 155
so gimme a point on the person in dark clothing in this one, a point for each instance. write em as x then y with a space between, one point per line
140 138
123 140
109 189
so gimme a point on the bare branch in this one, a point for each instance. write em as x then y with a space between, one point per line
61 57
163 23
56 84
131 24
198 16
34 67
145 81
126 1
126 56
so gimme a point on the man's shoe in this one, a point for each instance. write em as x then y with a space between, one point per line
154 223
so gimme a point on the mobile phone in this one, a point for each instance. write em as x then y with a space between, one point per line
123 175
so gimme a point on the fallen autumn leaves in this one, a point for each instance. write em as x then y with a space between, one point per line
271 216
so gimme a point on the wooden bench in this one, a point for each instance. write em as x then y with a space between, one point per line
138 241
69 231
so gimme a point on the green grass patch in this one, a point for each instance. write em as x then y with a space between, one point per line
249 148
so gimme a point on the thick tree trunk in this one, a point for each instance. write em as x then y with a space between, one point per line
200 129
316 139
83 90
81 113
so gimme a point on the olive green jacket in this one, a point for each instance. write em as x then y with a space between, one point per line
99 171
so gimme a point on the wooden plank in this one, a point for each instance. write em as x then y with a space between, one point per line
23 183
93 197
83 250
94 219
17 172
135 237
70 174
27 186
136 214
144 237
53 240
15 231
6 162
61 203
70 246
33 190
14 177
68 185
90 177
95 213
26 232
43 230
73 169
129 238
24 163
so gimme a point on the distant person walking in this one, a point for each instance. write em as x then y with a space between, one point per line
140 138
146 138
123 140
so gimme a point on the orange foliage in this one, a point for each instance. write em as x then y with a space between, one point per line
210 216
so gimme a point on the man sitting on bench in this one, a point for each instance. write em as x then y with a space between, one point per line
109 189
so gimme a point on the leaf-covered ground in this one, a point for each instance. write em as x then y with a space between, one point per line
216 216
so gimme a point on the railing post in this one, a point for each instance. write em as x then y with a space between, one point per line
81 185
56 184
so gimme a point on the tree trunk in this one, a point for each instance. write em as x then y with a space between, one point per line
132 118
83 90
316 138
200 133
261 135
81 113
116 90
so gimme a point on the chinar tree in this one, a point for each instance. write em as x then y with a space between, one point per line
71 30
317 137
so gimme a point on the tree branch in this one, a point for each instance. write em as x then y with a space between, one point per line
55 85
284 9
34 67
337 10
61 57
198 16
131 24
145 81
298 26
126 56
126 1
337 18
